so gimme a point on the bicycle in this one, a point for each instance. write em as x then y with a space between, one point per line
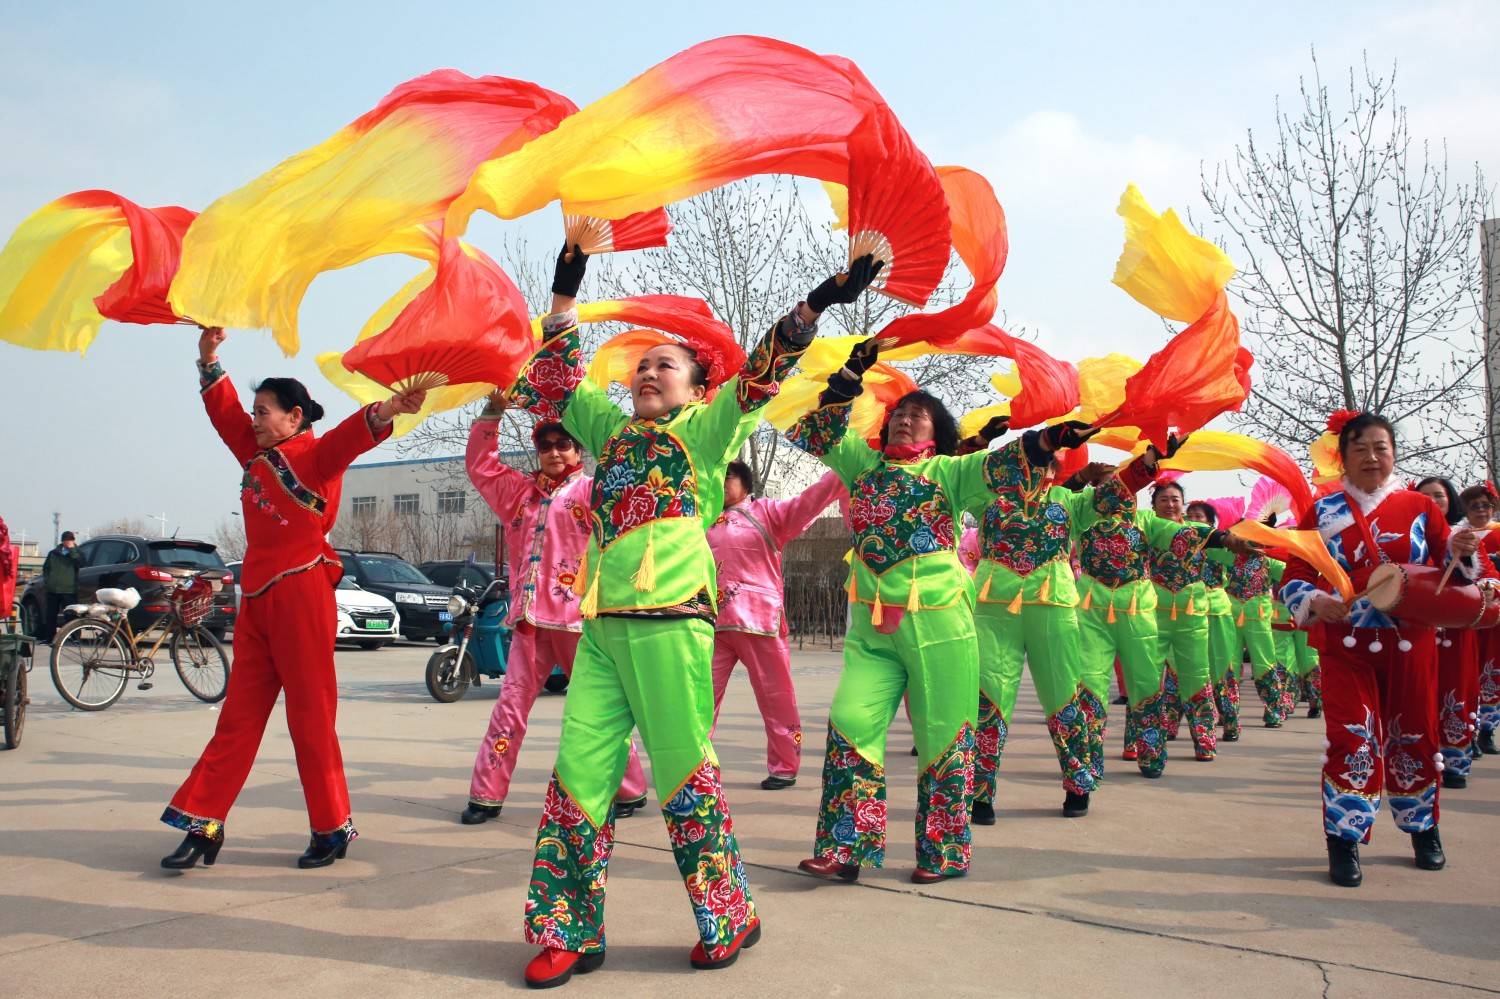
16 651
96 653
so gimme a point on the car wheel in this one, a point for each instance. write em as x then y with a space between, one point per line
372 644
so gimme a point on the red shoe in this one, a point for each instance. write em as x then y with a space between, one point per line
553 967
1203 757
922 876
1129 754
830 870
749 937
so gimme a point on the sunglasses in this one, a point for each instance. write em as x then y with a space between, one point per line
553 444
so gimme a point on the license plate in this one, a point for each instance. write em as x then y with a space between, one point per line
444 616
377 625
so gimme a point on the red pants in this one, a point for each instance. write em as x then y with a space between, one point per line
770 667
1488 680
533 653
1380 714
283 640
1458 695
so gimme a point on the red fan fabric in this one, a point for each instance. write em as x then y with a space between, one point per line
1049 386
140 295
470 325
982 243
689 321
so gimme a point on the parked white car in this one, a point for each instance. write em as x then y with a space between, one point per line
366 618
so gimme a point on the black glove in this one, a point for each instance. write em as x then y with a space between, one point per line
1069 434
845 288
995 428
1174 444
568 276
848 381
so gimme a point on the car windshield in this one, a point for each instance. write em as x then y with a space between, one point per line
186 557
390 570
347 583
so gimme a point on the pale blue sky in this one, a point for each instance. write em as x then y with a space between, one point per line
1060 105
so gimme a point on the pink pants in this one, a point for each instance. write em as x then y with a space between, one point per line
533 653
770 668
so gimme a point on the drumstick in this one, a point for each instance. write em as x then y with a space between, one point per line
1446 573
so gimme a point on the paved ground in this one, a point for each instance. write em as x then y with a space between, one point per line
1209 882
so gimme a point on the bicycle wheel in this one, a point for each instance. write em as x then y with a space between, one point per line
201 662
15 705
90 664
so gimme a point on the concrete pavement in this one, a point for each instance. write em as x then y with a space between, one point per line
1208 882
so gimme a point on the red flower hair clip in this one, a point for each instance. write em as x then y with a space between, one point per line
1339 419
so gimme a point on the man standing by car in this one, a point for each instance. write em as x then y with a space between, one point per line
60 577
546 516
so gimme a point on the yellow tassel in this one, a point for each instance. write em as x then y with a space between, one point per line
1240 621
590 606
1015 605
1088 601
1174 608
913 598
1045 591
1190 605
644 578
853 588
1262 612
581 580
877 609
984 592
1133 595
1111 618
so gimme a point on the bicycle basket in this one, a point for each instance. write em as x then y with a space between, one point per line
193 603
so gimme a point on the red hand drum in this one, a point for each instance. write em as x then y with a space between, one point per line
1410 593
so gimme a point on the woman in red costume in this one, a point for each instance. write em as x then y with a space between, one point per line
1458 657
283 638
1379 673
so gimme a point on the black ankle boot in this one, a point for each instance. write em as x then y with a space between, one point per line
1428 849
982 813
322 851
475 814
1343 862
193 846
625 809
1486 743
1455 781
776 782
1075 805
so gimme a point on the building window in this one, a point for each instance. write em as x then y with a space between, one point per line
363 506
451 501
408 503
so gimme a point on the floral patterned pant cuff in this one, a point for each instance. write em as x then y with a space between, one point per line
1227 693
1171 708
1202 722
708 858
1097 715
989 745
1312 688
1269 686
943 794
197 825
1144 730
1069 728
565 902
851 818
1285 682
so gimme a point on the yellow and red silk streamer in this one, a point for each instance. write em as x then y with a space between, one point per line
884 386
1307 545
1202 371
248 259
689 320
721 111
1044 387
84 258
1328 466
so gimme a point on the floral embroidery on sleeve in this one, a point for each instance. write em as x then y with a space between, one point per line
772 360
820 431
554 372
208 374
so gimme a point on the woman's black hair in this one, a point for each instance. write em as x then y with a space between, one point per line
1455 507
1207 508
739 470
1361 423
1174 484
696 368
291 394
944 426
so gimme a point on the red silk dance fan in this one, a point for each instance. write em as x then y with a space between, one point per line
897 210
469 325
640 231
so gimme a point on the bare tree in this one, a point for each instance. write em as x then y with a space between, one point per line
229 538
1360 272
122 525
751 250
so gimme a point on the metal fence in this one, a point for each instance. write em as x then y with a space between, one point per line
817 605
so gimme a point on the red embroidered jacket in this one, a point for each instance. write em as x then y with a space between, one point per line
289 492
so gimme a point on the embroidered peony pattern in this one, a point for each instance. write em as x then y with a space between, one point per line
565 902
555 372
1068 728
896 514
943 794
703 843
989 743
820 431
851 817
1114 552
1024 540
1249 578
644 474
1182 565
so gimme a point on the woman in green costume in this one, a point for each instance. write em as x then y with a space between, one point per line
648 585
1249 581
911 629
1223 638
1182 624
